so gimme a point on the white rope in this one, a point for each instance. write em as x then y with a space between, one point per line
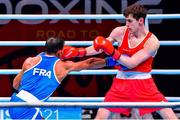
42 43
22 43
83 99
73 43
95 99
94 104
170 43
98 72
80 16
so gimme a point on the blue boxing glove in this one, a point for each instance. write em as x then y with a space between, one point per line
110 62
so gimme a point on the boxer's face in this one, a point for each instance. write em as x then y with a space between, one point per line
132 24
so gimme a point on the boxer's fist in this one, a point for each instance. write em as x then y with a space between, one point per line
71 52
101 43
104 44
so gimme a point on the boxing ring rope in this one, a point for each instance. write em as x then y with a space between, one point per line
72 43
93 104
98 72
80 16
84 99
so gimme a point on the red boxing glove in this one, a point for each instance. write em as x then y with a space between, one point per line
70 52
101 43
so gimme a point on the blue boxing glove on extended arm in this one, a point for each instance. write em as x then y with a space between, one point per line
110 62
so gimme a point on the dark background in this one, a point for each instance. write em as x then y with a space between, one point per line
86 85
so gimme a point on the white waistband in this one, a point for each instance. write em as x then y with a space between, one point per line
28 97
133 75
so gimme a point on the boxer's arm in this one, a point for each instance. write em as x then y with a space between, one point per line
89 51
85 64
62 68
97 63
67 66
17 80
115 36
28 63
71 52
149 50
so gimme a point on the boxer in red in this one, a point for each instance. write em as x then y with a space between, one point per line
137 48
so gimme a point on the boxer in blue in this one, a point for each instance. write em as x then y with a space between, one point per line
39 78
